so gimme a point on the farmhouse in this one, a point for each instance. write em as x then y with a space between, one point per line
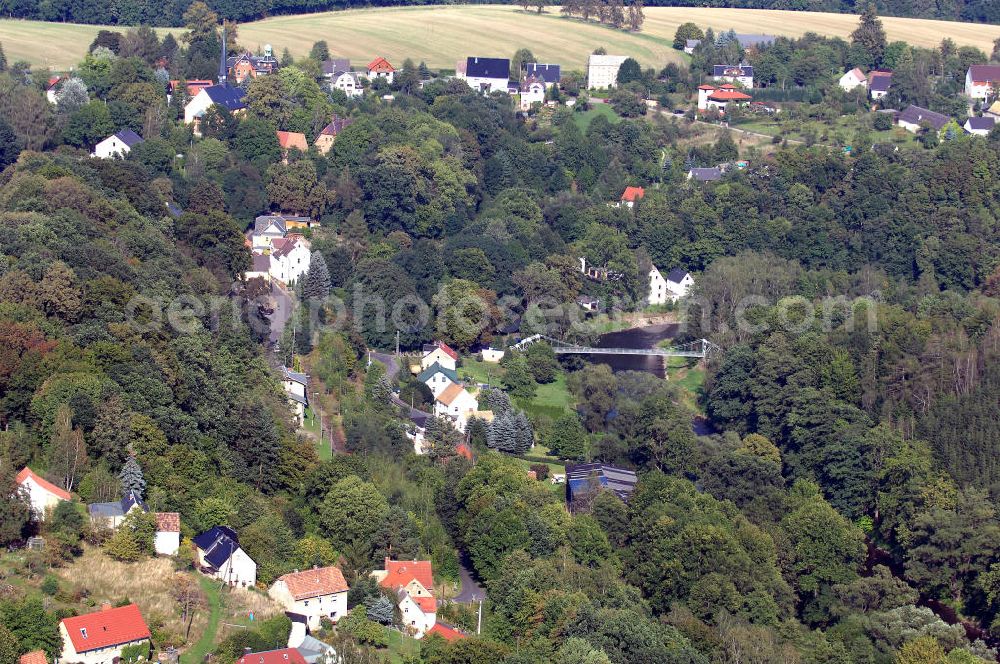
42 494
486 75
320 592
456 403
853 79
585 479
380 68
742 74
437 378
329 133
220 556
719 98
879 82
630 196
168 533
117 145
440 353
98 638
602 71
223 96
914 118
532 92
979 126
679 283
980 81
297 390
548 74
413 581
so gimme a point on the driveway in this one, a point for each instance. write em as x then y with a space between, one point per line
282 311
416 415
471 591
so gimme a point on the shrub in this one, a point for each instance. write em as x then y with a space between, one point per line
541 470
50 586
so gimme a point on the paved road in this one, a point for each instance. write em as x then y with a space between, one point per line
471 591
282 311
416 415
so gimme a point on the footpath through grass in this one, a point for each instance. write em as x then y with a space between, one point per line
213 595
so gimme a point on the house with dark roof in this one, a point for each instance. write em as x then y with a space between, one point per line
220 556
221 95
111 515
43 494
248 66
297 390
913 119
980 126
705 174
333 65
585 479
742 74
981 81
99 637
437 378
117 145
486 75
690 45
879 82
320 592
548 74
329 133
679 282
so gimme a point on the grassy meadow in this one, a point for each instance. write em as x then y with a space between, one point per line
442 34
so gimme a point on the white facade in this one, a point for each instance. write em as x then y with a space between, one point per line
852 79
658 293
735 77
238 570
492 355
438 355
532 93
485 84
681 288
42 498
110 147
458 405
108 655
413 617
288 266
263 239
332 606
438 383
167 543
979 90
348 82
197 106
602 71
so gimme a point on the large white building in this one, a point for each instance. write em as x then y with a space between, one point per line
980 80
485 75
43 495
220 556
853 79
320 592
602 71
290 258
98 638
679 284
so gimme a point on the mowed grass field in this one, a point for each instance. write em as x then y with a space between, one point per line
442 34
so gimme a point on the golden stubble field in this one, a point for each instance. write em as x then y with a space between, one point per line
442 34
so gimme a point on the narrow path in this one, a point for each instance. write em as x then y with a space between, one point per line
196 654
471 591
391 364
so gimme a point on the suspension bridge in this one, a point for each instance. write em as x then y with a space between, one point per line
701 348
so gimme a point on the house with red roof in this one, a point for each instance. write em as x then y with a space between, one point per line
98 638
441 353
320 592
44 495
380 68
291 140
34 657
631 195
280 656
413 582
329 133
718 97
446 632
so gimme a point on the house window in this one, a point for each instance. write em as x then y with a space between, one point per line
83 632
306 603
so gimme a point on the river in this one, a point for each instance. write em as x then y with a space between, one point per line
637 337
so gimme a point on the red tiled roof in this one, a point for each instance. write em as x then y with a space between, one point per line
706 87
426 604
401 572
34 657
168 522
109 627
315 582
380 64
633 194
446 632
42 482
292 139
729 95
447 350
282 656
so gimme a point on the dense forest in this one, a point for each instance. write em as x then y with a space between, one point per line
170 13
842 506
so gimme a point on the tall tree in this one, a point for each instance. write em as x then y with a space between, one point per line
131 478
317 282
15 508
870 35
67 453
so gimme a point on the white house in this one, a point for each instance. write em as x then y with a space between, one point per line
853 79
742 74
485 75
168 533
98 638
980 126
214 95
413 581
690 45
320 592
117 145
437 378
52 88
380 68
879 82
347 81
679 283
914 118
630 196
979 81
297 390
111 515
43 495
720 97
441 353
532 92
456 403
550 75
290 258
658 293
492 355
220 556
602 71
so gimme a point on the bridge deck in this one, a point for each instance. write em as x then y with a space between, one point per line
663 352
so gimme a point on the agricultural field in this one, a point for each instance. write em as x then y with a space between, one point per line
440 35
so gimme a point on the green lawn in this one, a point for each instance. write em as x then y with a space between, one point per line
311 426
401 647
551 400
213 595
838 133
584 118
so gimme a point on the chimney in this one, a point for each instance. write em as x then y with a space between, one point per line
315 566
105 606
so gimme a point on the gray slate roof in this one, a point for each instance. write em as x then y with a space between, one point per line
706 174
916 115
129 137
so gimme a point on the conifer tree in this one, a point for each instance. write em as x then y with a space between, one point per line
317 282
131 478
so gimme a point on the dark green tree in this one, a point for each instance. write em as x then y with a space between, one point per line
317 281
131 478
